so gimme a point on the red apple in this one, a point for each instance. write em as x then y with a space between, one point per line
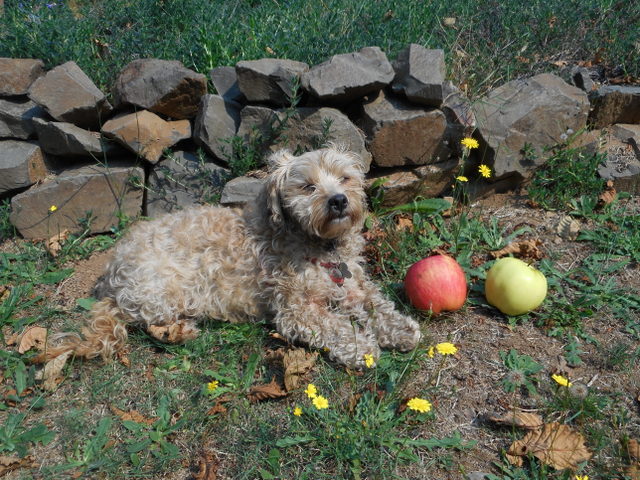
436 283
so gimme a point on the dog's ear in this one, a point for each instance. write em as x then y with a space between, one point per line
279 159
274 203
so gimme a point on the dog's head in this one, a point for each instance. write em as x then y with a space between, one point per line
322 191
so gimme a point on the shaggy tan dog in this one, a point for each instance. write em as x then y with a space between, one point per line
293 257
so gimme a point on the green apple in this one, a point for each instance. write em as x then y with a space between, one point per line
514 287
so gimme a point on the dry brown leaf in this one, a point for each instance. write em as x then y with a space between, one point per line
207 467
632 472
10 463
274 355
529 421
266 391
634 449
5 291
277 336
608 195
555 444
132 415
297 362
51 374
123 358
11 339
54 244
404 224
33 337
521 249
217 408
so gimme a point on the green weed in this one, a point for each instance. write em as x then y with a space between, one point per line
522 370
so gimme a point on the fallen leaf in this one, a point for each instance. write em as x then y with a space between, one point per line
266 391
277 336
521 249
8 464
11 339
555 444
632 472
274 355
132 415
404 224
517 418
51 374
560 63
54 244
123 358
33 337
297 362
449 21
634 449
207 467
608 195
217 408
5 291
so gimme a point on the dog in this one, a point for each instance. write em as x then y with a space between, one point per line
292 256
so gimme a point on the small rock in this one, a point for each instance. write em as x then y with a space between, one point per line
241 190
21 165
162 86
91 192
348 76
225 81
615 104
581 78
69 95
269 80
146 134
17 75
217 121
419 74
476 476
16 118
65 139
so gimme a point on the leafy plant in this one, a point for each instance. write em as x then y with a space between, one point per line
15 438
522 369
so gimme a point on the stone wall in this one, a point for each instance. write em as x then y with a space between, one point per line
69 153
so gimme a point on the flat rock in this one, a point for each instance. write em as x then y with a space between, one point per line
419 74
217 121
66 140
313 128
404 185
17 75
21 165
241 190
95 192
16 118
269 80
161 86
348 76
401 134
182 180
145 133
225 81
615 104
69 95
537 111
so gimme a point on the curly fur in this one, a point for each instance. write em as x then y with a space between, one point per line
273 260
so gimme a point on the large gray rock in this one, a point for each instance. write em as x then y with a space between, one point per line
67 140
182 180
94 192
348 76
269 80
21 165
419 74
162 86
69 95
402 134
537 111
145 133
313 128
16 118
217 121
17 75
241 190
225 81
258 126
615 104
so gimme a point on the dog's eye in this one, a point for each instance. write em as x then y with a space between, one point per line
345 179
309 187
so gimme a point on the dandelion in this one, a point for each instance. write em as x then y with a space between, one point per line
484 170
311 391
419 405
462 178
560 380
579 390
470 142
52 208
431 352
212 386
320 402
297 411
582 477
446 348
368 360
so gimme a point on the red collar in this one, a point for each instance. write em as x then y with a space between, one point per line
337 271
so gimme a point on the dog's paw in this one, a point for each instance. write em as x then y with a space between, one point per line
178 332
403 335
363 353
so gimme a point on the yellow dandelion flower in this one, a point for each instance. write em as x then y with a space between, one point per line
311 391
560 380
484 170
297 411
419 405
446 348
470 142
582 477
462 178
431 352
52 208
320 402
368 360
211 386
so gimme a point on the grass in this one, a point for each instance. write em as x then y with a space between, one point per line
488 44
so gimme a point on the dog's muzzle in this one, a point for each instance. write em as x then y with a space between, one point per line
338 204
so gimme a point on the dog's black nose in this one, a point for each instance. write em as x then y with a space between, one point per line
338 203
